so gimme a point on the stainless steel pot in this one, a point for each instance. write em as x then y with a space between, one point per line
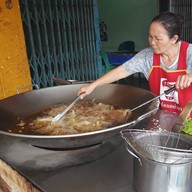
25 104
160 177
162 160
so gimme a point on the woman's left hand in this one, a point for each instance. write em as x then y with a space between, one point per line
183 81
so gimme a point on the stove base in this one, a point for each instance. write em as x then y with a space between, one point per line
30 157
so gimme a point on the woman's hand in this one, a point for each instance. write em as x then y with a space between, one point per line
86 90
183 81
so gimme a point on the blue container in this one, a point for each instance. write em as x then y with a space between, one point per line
119 59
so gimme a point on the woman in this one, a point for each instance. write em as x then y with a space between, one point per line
167 62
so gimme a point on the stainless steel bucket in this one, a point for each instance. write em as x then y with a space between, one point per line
153 176
162 160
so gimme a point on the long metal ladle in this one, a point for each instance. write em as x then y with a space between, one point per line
60 115
164 93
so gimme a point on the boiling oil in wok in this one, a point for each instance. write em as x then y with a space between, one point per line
83 117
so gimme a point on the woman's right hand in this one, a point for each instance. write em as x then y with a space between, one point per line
183 81
86 90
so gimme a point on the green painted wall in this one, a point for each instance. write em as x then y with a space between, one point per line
127 20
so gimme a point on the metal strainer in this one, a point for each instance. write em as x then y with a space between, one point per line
160 146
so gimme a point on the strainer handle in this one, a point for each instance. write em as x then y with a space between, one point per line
132 153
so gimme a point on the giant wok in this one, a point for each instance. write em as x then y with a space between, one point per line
25 104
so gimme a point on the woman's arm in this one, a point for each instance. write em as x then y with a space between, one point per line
113 75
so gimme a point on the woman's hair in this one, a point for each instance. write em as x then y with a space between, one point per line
171 22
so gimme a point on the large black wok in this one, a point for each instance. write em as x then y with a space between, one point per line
25 104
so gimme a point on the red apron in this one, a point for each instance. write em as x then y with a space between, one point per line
161 80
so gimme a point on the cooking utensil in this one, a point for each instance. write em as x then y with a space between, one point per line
153 103
182 117
60 115
25 104
164 93
160 146
161 177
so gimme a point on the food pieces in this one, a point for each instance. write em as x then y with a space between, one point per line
187 128
83 117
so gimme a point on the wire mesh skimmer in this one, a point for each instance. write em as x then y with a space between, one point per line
160 146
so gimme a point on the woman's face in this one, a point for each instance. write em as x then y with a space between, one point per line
159 39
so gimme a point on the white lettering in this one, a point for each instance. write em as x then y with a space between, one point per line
171 106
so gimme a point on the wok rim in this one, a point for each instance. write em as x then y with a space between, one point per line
81 134
68 135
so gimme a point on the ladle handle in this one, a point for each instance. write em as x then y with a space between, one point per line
170 90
